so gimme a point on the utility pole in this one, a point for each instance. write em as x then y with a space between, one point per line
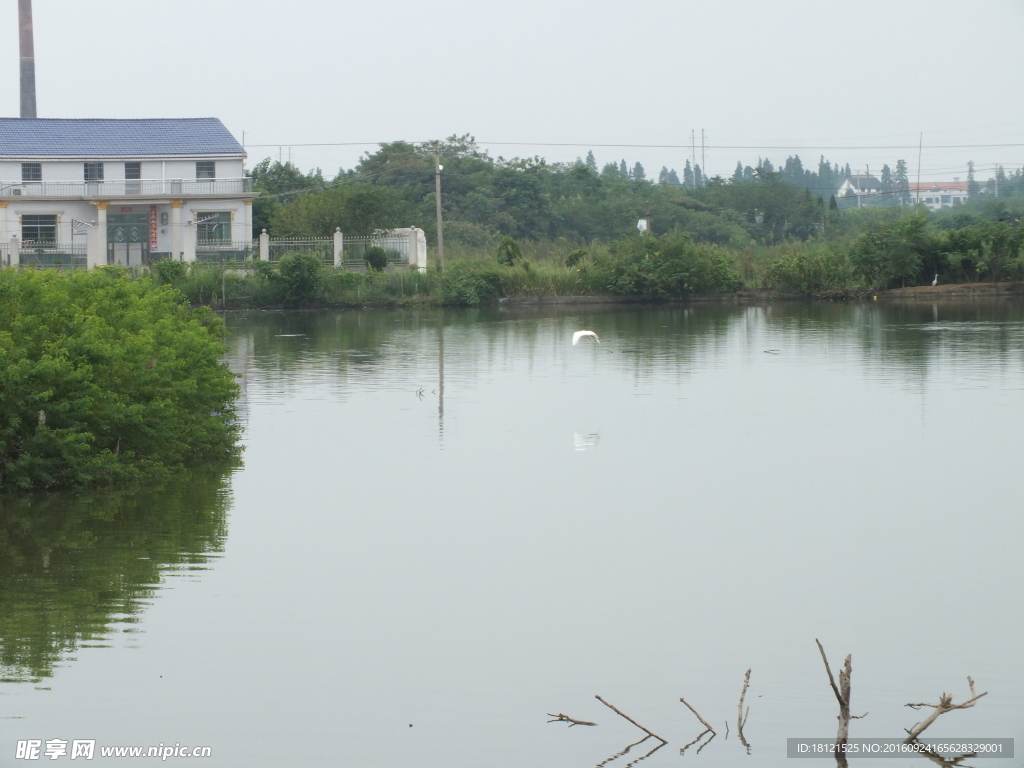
437 201
703 173
693 154
920 143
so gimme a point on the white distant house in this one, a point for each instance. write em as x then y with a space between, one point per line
120 191
860 184
939 194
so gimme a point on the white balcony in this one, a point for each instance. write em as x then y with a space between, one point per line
134 188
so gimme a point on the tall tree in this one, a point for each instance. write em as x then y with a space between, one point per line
591 160
737 175
698 176
901 182
972 186
688 175
623 170
886 179
610 171
673 178
638 172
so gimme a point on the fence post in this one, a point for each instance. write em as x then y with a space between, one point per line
418 248
339 243
264 246
15 251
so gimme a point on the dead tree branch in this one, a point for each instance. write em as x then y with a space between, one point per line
697 714
634 722
741 718
945 705
842 692
560 718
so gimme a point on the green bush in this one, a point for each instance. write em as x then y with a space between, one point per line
467 283
170 271
575 257
672 265
811 270
301 278
106 378
508 251
376 258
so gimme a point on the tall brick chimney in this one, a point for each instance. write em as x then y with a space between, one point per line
28 59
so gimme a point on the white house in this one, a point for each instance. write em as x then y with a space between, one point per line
120 191
860 184
939 194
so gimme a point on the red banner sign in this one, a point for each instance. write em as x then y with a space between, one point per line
152 228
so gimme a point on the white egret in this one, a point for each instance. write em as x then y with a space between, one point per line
936 280
582 334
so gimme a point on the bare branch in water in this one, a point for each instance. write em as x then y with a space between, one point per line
560 718
634 722
945 705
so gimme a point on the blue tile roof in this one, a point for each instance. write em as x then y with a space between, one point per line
116 138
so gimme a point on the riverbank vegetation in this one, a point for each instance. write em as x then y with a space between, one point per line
106 378
528 227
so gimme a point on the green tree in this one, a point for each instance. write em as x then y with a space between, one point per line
892 252
106 378
973 189
901 182
688 175
509 252
358 209
638 172
886 179
591 161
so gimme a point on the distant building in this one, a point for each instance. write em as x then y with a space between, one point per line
939 194
120 191
860 184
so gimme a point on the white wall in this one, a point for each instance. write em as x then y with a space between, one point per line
113 169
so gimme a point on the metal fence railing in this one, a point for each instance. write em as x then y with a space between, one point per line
126 188
51 256
395 246
234 253
321 246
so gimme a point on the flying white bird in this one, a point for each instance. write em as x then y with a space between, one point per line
581 334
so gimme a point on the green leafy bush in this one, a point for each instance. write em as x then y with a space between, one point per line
302 277
508 251
672 265
817 270
170 271
467 283
376 258
106 378
575 257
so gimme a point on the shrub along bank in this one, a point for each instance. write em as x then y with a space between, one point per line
105 378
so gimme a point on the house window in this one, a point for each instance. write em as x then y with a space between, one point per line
93 171
206 169
213 227
39 228
132 171
947 199
31 171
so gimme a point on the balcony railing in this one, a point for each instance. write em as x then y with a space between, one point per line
101 190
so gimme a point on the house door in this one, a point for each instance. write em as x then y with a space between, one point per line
128 239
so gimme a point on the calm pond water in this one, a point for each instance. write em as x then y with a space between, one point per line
447 524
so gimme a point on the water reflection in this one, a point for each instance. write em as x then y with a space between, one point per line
625 751
76 568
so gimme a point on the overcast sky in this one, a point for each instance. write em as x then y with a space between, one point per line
761 77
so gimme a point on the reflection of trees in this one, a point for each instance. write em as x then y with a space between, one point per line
71 566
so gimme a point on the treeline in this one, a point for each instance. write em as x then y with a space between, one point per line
485 198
